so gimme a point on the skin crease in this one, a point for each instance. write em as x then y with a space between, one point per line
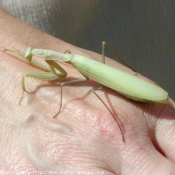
84 136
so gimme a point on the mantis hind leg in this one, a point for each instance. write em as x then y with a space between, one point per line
121 130
104 45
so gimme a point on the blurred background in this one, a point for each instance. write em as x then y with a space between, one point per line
141 31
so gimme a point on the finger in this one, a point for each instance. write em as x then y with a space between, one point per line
145 159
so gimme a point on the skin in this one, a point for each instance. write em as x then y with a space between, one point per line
84 136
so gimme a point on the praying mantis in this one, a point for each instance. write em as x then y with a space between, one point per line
124 83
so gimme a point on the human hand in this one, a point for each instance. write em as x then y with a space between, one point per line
84 138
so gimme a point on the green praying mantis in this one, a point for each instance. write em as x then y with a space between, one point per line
124 83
